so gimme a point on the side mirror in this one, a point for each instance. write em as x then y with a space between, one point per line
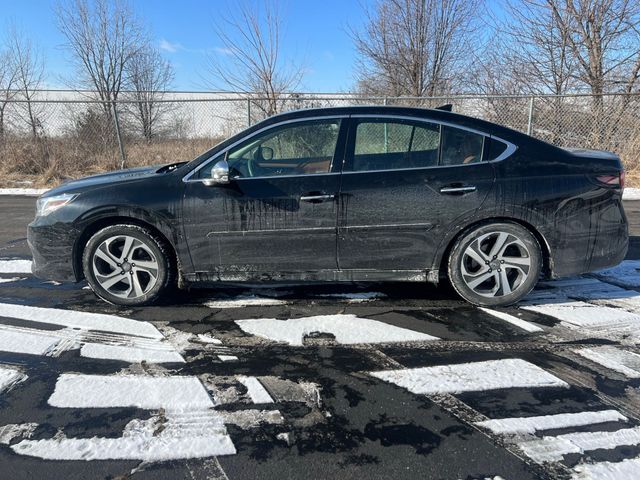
219 174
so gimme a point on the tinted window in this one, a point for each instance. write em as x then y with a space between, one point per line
395 145
494 148
296 149
460 147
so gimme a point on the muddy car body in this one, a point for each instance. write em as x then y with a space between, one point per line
343 194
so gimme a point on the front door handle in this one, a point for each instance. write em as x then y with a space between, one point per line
457 190
316 198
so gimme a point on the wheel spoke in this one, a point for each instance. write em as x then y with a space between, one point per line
499 244
474 252
126 248
517 261
504 282
479 280
111 280
137 288
104 254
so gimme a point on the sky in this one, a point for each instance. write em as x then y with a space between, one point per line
315 32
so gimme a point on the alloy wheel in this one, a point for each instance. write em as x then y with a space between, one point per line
125 266
495 264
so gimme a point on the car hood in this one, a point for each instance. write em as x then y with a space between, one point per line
110 178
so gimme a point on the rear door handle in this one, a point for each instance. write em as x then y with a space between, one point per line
458 190
316 198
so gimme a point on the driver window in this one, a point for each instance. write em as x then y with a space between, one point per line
302 148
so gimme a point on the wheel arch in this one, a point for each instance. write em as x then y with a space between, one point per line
98 223
547 259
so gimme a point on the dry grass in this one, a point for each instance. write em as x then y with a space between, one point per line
48 162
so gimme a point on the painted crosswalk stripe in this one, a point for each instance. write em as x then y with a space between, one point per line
256 391
471 377
625 470
518 322
530 425
550 449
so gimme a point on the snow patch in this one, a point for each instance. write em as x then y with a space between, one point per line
11 431
196 434
70 318
347 329
132 354
624 470
627 274
621 361
550 449
104 391
228 358
9 376
36 343
471 377
245 301
208 339
9 280
15 266
530 425
518 322
32 192
252 418
631 194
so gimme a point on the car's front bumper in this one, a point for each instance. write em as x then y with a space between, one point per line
52 248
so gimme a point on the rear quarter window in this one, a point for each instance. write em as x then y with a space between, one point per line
460 147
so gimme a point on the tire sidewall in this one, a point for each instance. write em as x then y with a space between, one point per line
455 261
145 236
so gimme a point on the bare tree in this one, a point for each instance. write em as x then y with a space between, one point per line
149 76
103 36
27 64
416 47
250 59
7 87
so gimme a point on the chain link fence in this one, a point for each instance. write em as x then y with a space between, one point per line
64 134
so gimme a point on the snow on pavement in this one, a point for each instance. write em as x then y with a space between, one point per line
618 360
9 376
631 194
15 266
32 192
530 425
625 470
627 274
552 449
347 330
255 390
471 377
10 280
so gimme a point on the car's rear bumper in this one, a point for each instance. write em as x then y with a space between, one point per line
52 250
603 244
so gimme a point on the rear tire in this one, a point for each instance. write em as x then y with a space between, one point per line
128 265
495 264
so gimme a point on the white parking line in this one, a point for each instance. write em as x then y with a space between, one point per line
256 391
530 425
471 377
518 322
548 449
618 360
347 329
70 318
625 470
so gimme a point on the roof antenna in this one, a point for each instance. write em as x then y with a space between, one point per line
447 107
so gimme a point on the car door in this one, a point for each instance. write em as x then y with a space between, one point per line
405 182
278 212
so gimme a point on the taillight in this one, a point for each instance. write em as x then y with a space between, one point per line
612 180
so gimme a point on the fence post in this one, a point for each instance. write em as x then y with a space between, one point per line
530 121
116 121
248 112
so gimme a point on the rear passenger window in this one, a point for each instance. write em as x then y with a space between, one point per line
395 145
460 147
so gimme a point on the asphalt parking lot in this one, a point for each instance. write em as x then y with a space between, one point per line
347 382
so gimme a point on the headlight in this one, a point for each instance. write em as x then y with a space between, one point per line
48 205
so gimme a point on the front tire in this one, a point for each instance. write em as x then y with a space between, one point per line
127 265
496 264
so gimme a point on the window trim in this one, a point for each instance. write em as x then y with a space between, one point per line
188 177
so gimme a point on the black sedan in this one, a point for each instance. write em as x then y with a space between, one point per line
342 194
